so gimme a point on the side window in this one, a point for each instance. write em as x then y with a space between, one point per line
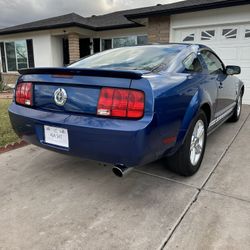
213 63
192 63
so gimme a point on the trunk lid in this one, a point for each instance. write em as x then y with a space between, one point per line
82 87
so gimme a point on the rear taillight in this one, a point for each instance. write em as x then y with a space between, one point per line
24 94
125 103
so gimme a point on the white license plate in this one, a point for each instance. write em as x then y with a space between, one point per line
56 136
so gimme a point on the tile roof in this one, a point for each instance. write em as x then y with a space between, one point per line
69 20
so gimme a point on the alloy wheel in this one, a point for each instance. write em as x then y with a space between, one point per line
197 142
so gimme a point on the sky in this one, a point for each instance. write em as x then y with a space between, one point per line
13 12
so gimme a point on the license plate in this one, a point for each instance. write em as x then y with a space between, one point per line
56 136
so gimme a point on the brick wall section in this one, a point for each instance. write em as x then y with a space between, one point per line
74 47
9 78
158 29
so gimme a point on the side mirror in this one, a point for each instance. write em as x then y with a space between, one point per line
233 70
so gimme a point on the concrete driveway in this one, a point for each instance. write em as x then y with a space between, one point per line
52 201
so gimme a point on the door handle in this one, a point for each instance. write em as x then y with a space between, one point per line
221 85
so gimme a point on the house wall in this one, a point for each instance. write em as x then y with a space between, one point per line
230 15
121 32
42 47
47 51
158 29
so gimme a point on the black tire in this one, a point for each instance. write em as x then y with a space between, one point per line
236 114
180 162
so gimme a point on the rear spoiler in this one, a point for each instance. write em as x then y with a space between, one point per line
82 72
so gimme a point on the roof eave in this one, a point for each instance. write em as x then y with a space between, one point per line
188 9
50 27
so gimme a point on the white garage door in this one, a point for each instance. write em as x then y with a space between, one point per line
231 43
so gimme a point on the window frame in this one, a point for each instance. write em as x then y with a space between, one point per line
5 54
212 52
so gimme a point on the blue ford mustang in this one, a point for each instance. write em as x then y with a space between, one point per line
130 106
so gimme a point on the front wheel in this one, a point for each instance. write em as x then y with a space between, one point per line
187 160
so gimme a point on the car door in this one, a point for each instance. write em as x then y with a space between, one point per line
226 91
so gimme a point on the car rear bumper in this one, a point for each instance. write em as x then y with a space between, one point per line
107 140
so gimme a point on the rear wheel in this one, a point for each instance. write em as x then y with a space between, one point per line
237 110
187 160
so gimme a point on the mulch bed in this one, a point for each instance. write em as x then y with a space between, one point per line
12 146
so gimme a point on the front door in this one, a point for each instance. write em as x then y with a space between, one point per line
84 47
96 45
226 91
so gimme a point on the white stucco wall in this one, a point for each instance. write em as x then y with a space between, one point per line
47 49
121 32
57 51
42 47
227 16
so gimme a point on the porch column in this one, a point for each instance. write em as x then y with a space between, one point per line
74 47
158 29
91 46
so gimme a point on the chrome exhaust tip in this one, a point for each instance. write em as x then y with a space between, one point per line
121 170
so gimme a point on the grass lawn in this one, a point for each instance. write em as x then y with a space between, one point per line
7 135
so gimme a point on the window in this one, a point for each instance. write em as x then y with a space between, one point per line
207 35
189 38
214 65
124 41
21 55
17 55
142 40
118 42
247 33
192 64
155 58
11 56
229 33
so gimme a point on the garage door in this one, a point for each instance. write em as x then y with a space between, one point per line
231 43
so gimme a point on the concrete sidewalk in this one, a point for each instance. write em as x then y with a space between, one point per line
52 201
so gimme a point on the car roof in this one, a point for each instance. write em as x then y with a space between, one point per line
173 45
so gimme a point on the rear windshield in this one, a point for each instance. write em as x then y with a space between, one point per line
151 58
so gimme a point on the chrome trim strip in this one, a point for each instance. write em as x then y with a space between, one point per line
219 118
